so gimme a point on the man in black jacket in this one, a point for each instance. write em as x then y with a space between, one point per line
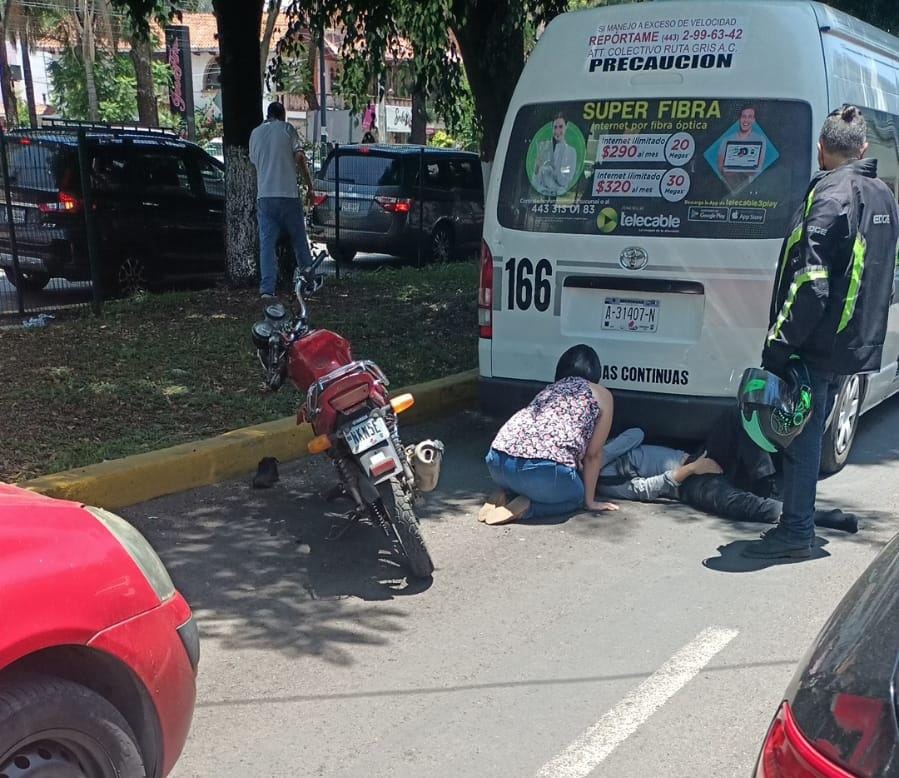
831 298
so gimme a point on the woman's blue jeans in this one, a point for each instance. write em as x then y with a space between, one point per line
553 489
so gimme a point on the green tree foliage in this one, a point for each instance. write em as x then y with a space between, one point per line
488 37
116 85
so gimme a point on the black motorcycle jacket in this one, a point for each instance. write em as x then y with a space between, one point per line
834 282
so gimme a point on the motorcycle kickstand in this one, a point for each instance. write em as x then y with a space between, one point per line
338 530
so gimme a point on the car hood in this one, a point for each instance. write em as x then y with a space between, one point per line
63 575
843 695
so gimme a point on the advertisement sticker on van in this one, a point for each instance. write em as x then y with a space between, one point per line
682 43
680 167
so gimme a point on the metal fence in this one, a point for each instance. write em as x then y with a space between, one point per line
420 204
46 225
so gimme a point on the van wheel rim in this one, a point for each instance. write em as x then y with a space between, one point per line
132 278
848 417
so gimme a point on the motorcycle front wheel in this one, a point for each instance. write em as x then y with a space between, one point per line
401 512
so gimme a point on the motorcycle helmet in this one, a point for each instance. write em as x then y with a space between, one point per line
774 410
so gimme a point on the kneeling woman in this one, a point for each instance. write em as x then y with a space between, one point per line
549 454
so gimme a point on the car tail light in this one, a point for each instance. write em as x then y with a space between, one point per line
319 198
787 754
395 204
25 142
65 203
485 293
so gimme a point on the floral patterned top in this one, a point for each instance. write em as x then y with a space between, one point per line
557 425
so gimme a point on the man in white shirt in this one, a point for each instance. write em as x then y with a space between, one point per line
275 151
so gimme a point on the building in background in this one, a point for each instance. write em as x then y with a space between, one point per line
391 109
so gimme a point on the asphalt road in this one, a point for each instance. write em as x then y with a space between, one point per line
58 294
634 645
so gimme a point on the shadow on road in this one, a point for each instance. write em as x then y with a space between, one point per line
731 559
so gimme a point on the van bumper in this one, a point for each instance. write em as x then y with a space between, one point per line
677 416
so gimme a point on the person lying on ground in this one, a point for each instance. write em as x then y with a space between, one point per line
546 459
634 471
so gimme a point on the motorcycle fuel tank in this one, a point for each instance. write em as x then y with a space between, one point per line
315 355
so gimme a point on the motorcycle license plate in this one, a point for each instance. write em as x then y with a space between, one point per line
367 433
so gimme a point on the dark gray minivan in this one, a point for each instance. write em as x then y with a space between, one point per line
386 193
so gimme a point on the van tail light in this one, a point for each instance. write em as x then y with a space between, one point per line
65 203
485 293
395 204
787 754
319 198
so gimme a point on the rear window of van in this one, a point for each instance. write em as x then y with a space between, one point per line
366 169
678 167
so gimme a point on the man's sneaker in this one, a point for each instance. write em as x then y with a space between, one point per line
774 545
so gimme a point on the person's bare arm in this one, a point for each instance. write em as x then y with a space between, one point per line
594 456
702 466
303 167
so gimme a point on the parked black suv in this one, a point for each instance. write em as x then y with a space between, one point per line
158 203
386 193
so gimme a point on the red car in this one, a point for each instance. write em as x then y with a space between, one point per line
98 651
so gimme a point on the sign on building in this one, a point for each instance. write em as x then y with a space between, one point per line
181 91
399 118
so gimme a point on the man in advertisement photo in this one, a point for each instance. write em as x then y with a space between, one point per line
741 156
829 306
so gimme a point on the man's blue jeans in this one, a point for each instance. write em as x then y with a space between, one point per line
802 461
553 489
277 215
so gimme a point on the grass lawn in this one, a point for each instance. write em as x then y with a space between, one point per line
171 368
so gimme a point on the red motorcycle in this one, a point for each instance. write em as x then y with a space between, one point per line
355 422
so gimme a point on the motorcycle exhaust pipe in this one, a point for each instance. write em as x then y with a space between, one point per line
426 459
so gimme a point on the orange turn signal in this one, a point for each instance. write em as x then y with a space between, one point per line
319 444
402 402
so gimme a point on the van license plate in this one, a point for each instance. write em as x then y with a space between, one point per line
621 315
18 215
350 206
366 434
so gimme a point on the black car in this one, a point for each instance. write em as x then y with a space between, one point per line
400 200
158 203
838 718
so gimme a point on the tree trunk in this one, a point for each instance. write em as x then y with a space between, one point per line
419 132
493 60
27 75
87 55
10 107
239 54
141 56
271 18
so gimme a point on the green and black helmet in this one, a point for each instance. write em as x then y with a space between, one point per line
775 410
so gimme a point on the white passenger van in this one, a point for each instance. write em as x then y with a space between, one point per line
650 161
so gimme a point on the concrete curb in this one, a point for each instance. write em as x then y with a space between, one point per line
120 482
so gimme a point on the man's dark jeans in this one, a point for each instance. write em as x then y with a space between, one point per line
802 461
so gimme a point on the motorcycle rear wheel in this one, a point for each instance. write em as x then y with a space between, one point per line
402 516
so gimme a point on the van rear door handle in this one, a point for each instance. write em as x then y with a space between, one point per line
151 204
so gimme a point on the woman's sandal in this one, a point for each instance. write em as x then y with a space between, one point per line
496 499
506 514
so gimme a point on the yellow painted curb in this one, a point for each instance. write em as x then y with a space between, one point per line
120 482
